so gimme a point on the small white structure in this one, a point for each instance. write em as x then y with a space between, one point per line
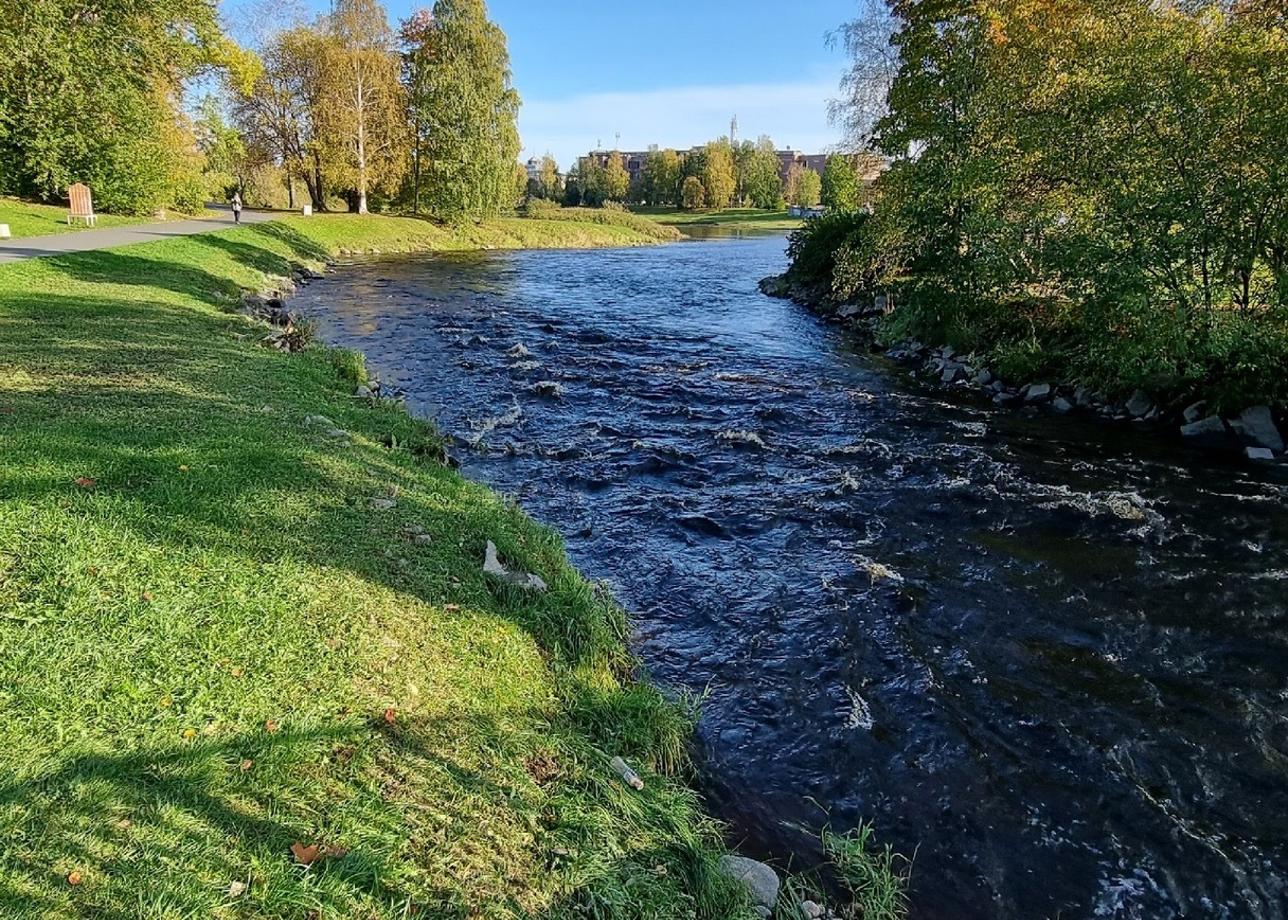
307 210
4 232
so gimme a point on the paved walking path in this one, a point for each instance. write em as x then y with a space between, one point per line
38 247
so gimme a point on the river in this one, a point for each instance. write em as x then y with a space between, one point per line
1048 657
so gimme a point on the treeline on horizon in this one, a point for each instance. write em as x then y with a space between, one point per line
1089 190
718 175
344 110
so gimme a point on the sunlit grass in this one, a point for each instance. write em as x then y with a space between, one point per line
214 643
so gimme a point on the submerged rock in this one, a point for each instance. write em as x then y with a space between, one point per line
759 879
1259 453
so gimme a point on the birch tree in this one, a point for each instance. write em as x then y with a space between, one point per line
367 100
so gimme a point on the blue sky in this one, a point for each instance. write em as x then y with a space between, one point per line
671 72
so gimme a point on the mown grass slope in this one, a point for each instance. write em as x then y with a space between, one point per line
225 630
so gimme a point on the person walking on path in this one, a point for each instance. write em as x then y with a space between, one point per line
237 206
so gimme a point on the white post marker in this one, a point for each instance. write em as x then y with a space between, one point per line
307 210
4 231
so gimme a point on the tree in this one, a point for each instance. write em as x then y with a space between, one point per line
616 181
281 116
88 92
761 183
841 189
417 36
662 176
718 178
551 188
222 147
365 97
804 186
470 111
694 195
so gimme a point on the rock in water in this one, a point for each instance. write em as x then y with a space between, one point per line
1037 392
1195 412
1208 432
761 880
1260 453
1140 404
1062 405
1256 426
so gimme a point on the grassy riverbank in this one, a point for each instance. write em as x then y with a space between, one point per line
226 630
736 218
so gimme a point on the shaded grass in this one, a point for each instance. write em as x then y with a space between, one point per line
745 218
214 645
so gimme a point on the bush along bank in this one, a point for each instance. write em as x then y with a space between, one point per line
1044 367
1256 432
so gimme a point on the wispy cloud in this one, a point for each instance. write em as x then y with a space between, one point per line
793 114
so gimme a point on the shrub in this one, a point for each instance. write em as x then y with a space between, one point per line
813 249
693 196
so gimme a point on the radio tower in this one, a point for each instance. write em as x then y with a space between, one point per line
733 132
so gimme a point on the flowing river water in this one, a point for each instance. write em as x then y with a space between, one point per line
1048 658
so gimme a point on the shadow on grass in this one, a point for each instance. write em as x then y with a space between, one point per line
124 392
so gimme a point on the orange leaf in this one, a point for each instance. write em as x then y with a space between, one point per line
86 483
270 726
246 765
391 716
305 856
146 597
74 877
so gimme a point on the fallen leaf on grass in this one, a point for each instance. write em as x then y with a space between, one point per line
189 733
246 765
305 856
85 482
183 468
270 726
236 889
146 597
74 877
391 716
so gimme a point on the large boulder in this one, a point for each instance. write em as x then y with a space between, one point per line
1037 392
1256 428
760 880
1140 405
1208 432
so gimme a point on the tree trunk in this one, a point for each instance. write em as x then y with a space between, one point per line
290 190
362 152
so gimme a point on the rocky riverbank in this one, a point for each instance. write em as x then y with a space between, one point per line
1255 433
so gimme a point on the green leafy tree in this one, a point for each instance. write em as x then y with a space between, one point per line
88 92
841 188
662 177
718 176
469 111
551 186
804 186
416 34
694 196
616 181
761 183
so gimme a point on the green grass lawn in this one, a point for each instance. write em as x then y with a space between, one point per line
739 218
224 631
26 219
